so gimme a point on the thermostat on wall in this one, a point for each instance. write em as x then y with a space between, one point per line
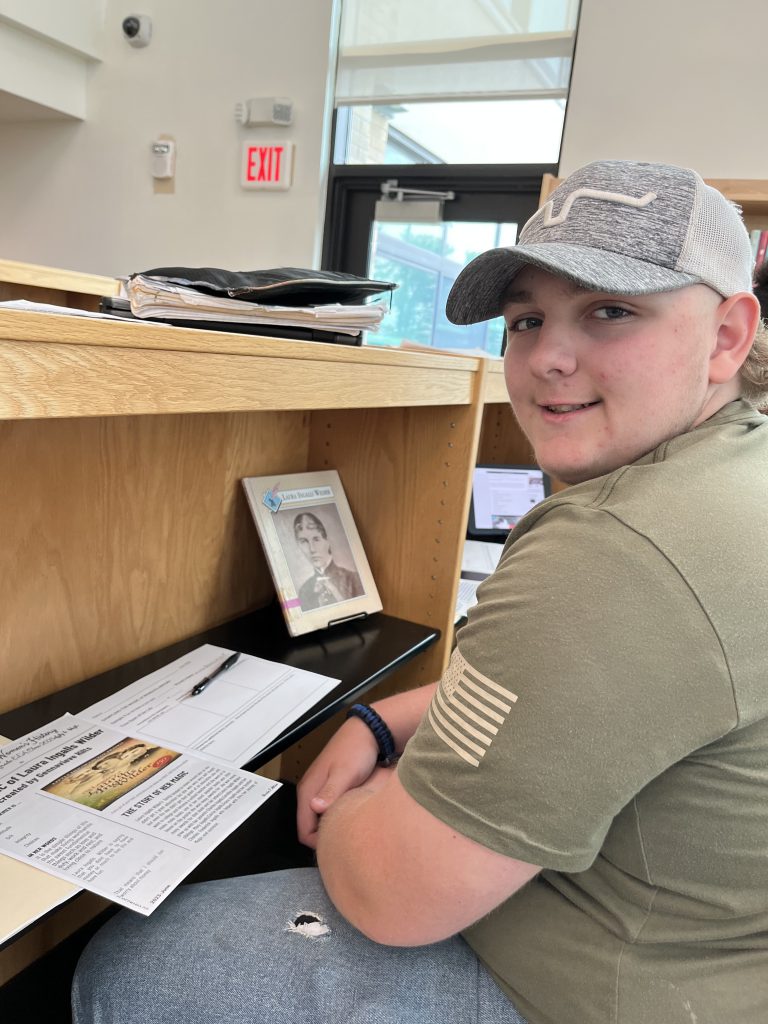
163 158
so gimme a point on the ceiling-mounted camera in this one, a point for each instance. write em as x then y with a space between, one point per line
137 29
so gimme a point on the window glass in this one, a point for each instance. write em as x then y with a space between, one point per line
424 260
475 81
480 132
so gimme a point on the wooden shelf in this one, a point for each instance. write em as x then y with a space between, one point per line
495 388
54 286
360 653
124 527
62 280
64 366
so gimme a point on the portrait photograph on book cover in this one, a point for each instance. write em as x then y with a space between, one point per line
313 549
319 557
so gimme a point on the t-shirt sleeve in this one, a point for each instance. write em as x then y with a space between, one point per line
587 668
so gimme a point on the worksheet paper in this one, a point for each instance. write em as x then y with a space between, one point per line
235 717
466 598
479 559
127 798
114 812
481 556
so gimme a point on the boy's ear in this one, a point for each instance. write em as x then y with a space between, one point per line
737 323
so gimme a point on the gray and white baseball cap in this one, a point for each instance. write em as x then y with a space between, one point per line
622 227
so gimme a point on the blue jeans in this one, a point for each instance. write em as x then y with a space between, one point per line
231 952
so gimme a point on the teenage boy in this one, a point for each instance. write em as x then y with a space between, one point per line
576 832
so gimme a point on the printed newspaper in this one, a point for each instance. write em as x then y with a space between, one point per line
126 799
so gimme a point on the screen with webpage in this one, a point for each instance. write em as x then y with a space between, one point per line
501 496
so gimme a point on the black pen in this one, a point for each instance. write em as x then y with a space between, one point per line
227 663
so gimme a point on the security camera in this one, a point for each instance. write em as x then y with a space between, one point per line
137 29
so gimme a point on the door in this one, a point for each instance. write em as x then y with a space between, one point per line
424 257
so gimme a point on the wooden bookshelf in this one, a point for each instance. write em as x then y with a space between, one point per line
124 528
122 447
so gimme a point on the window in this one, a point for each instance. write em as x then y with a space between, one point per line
476 81
467 98
425 259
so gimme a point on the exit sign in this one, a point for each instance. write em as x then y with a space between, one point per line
267 165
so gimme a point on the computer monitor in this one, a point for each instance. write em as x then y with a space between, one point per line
501 495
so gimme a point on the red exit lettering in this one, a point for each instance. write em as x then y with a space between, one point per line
267 164
263 163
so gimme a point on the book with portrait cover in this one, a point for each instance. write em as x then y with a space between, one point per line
313 549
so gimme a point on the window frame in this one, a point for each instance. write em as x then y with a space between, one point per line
484 192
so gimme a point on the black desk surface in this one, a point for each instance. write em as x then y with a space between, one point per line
360 653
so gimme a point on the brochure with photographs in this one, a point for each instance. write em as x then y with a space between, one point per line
313 549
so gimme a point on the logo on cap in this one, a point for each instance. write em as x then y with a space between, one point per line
591 193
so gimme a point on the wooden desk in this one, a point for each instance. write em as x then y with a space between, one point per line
123 528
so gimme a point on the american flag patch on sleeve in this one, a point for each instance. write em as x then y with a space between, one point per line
468 709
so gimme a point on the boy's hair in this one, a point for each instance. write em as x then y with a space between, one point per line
754 372
761 289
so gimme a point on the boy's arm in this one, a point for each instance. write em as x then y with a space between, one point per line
349 758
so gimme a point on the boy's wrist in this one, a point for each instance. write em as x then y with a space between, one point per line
385 743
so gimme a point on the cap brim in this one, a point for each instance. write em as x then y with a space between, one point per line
478 292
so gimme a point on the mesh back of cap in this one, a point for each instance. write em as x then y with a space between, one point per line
717 248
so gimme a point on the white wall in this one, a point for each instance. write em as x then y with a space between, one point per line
680 81
75 23
80 196
676 80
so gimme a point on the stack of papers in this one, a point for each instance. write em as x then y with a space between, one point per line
128 797
150 298
26 306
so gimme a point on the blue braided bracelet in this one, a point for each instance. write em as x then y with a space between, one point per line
380 730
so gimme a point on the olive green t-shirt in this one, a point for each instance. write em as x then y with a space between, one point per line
605 716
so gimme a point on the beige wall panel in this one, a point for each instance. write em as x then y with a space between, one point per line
123 535
62 203
679 82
